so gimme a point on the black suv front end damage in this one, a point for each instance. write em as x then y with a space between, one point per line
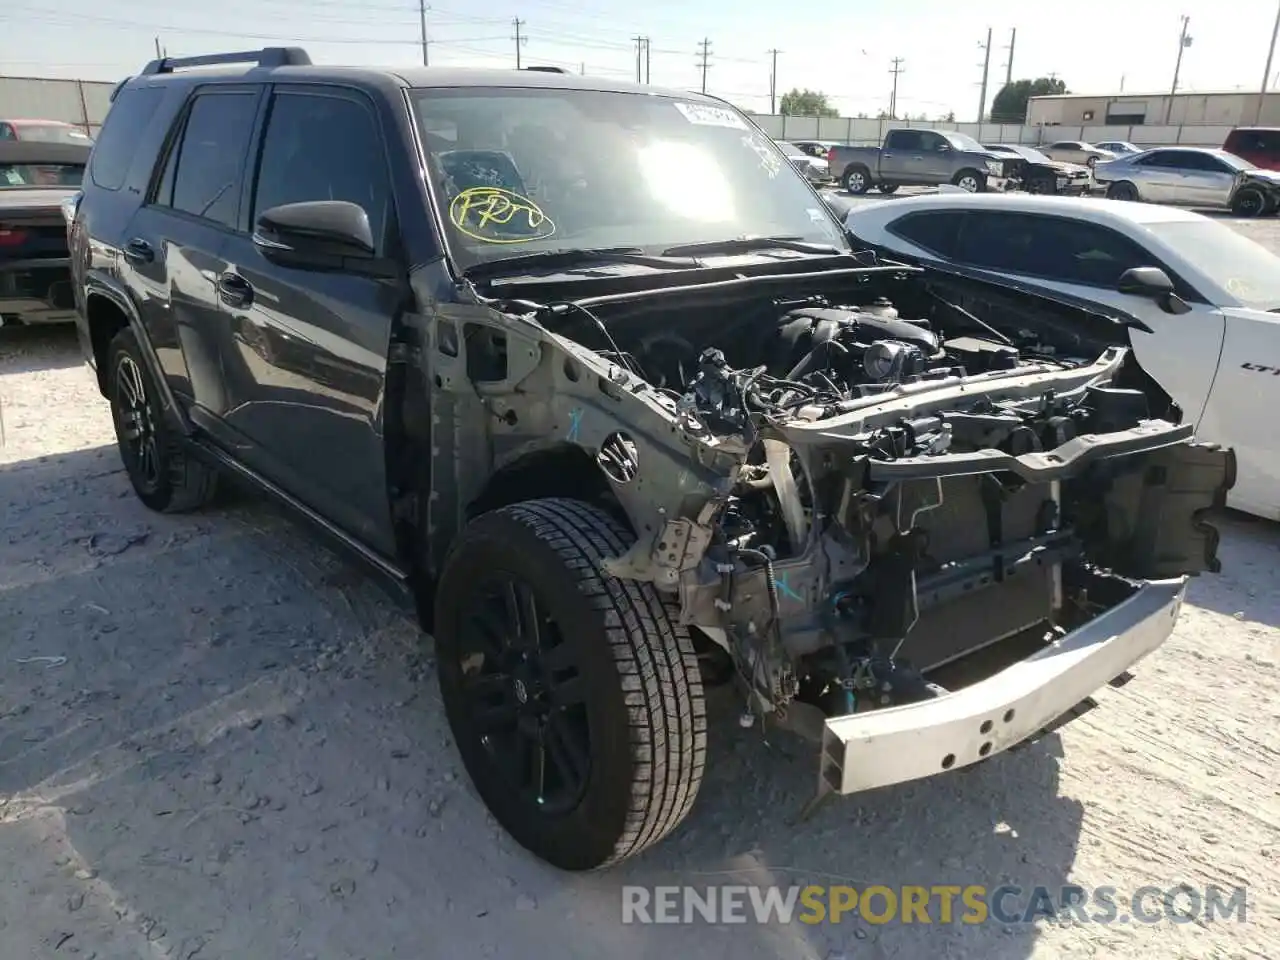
921 540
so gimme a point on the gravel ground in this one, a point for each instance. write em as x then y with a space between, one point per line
238 751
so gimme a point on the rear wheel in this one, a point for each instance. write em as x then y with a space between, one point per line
574 697
856 180
887 188
163 474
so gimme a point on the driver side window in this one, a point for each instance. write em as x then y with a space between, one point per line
1050 248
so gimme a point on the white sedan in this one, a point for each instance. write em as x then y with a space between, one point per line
1210 297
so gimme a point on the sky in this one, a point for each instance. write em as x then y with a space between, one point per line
1125 44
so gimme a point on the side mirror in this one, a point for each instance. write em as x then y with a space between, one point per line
1154 284
318 235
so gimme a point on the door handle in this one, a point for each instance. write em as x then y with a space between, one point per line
138 250
234 290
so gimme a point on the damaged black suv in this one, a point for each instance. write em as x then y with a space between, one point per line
596 379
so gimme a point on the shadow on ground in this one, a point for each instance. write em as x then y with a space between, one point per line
236 750
36 348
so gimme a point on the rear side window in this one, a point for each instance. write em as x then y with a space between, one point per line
935 232
203 174
121 133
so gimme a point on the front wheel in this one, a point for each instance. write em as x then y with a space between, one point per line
970 181
1249 202
1122 191
575 698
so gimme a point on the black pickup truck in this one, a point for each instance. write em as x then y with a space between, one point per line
615 436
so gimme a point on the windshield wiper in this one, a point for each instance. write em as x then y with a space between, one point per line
746 244
578 257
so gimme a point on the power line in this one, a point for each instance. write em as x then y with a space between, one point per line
520 41
773 81
704 55
896 69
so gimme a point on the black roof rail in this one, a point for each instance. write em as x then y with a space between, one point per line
548 69
266 57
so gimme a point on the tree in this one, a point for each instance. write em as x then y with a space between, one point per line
807 103
1010 104
948 117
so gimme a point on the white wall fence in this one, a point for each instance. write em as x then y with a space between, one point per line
868 132
82 102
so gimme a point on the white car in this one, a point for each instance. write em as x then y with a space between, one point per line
1210 297
1076 151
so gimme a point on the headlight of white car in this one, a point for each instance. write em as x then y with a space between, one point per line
995 168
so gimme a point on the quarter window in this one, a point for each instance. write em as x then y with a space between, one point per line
935 232
323 147
1052 248
203 174
126 121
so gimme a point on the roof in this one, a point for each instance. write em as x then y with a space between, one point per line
461 77
41 151
1096 208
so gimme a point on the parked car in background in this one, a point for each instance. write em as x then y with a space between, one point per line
815 148
36 178
815 169
45 131
1193 177
1259 145
919 158
1206 296
1118 147
1037 173
1077 151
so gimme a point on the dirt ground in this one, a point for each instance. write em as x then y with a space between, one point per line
218 741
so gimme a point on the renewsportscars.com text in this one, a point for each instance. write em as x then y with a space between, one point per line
937 904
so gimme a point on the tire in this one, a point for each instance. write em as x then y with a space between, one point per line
1124 190
1041 186
1250 202
856 180
163 474
635 717
887 188
970 181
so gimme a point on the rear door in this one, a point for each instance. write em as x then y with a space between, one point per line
1085 260
305 353
901 158
1160 180
172 248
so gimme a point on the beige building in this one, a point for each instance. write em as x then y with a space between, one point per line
1217 108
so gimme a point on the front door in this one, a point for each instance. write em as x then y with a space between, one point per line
306 357
1085 260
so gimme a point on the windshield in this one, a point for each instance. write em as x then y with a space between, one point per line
51 133
1236 163
963 141
791 150
1247 271
1027 153
40 175
525 170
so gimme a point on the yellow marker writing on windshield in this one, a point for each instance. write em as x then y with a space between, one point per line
492 215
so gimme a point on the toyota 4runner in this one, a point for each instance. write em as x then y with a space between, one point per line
594 377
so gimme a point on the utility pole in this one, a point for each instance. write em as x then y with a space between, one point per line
160 53
422 19
646 59
704 54
773 81
893 97
639 54
582 69
1008 64
986 67
1271 52
1184 41
520 40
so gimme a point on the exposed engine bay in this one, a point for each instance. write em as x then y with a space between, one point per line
868 495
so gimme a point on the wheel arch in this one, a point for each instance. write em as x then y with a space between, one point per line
557 470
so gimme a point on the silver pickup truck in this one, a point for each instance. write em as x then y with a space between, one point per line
919 158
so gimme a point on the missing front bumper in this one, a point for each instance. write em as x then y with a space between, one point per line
895 745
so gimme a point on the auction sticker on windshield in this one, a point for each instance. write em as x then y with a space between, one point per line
496 215
706 115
